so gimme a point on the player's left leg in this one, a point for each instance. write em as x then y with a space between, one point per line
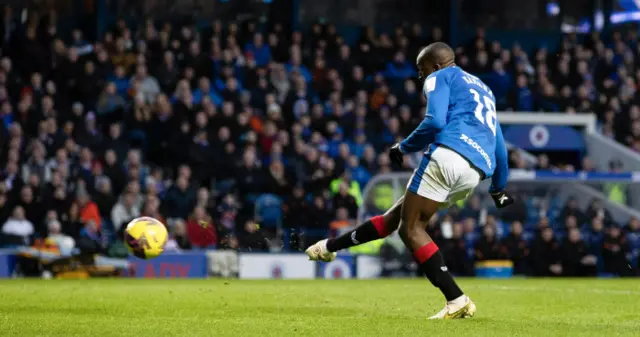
377 227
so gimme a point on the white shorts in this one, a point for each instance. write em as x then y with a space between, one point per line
444 176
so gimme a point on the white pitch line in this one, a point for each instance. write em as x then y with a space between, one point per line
572 290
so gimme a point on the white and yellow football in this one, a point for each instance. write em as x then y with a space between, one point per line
145 237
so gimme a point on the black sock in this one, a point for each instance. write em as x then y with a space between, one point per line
369 230
433 266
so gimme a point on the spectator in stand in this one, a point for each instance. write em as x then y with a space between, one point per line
88 210
588 165
614 252
178 238
32 209
594 236
124 211
522 98
470 235
17 230
36 164
633 226
116 141
91 240
5 211
258 51
400 68
64 242
145 84
456 252
249 176
342 221
576 259
205 90
179 199
488 246
570 223
72 224
318 216
114 171
252 239
354 187
472 208
571 209
104 198
296 209
545 255
499 80
201 229
632 233
295 66
343 200
517 248
277 181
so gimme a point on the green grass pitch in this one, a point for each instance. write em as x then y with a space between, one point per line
130 307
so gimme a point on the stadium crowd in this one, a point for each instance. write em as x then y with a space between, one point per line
193 126
574 242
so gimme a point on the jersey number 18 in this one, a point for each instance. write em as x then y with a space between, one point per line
487 118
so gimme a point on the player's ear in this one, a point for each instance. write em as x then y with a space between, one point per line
436 67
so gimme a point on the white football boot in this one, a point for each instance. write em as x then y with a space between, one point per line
461 307
319 252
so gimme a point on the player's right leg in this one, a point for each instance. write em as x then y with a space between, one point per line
443 174
377 227
428 256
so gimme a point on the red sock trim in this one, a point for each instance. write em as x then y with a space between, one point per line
425 252
378 223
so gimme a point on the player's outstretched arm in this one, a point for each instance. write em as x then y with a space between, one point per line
499 179
437 91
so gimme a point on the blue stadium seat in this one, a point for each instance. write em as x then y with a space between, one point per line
268 210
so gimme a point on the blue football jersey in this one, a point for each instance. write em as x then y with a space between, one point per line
461 115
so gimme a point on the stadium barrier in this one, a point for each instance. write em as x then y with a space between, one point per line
185 265
275 266
343 267
250 266
202 264
222 263
298 266
7 263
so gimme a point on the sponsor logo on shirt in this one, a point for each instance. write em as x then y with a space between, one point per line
477 147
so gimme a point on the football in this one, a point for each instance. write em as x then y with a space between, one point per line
145 237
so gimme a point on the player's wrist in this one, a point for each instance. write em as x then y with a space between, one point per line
401 149
495 191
